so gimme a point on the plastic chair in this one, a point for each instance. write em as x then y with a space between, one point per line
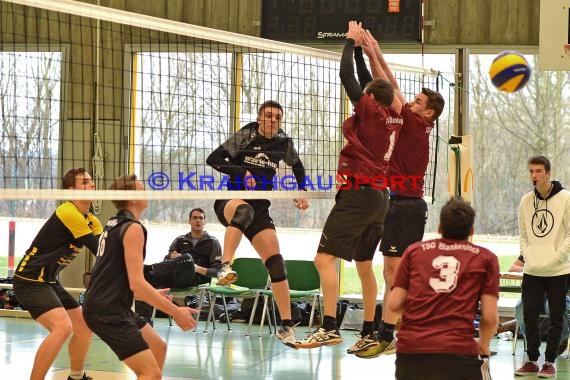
199 290
304 284
515 339
515 335
252 278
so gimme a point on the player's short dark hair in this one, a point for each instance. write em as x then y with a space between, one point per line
269 103
126 182
69 177
382 90
196 209
434 102
456 219
540 160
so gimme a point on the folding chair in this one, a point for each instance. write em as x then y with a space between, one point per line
252 277
304 284
515 335
199 290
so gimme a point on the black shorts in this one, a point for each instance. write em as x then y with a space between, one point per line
355 224
405 224
140 321
120 331
441 367
261 218
40 297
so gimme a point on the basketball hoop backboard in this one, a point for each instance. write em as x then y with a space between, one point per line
554 35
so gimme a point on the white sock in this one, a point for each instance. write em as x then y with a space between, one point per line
76 375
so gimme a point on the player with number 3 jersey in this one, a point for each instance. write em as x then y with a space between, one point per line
438 287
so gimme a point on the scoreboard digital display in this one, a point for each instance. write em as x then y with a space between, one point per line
327 20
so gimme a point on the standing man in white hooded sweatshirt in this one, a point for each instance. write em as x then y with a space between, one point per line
544 226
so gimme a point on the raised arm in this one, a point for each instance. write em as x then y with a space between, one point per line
364 76
346 74
380 68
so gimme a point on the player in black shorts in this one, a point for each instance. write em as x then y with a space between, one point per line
116 278
354 226
439 286
58 242
407 214
250 157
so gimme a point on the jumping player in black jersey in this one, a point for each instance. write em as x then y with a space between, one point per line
250 158
116 278
36 284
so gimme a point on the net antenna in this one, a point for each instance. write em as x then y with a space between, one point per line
97 161
158 96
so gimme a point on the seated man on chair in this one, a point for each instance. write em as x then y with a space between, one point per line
517 266
192 260
204 249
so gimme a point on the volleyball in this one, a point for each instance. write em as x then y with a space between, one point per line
509 71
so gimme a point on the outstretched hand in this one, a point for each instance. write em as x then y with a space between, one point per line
183 318
355 32
301 203
369 44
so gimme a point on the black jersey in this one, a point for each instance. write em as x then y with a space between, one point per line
247 150
109 288
57 243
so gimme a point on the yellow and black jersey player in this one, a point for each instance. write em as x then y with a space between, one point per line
36 284
58 242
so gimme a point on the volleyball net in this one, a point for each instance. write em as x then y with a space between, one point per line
117 92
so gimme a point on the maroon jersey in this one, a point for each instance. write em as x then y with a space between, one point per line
371 135
411 154
445 280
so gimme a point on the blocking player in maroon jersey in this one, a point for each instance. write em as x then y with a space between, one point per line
354 226
407 214
438 287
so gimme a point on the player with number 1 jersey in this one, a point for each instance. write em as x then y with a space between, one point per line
442 302
354 226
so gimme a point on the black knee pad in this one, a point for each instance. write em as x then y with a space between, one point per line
276 267
242 217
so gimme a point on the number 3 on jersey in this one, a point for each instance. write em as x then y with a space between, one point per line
448 267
